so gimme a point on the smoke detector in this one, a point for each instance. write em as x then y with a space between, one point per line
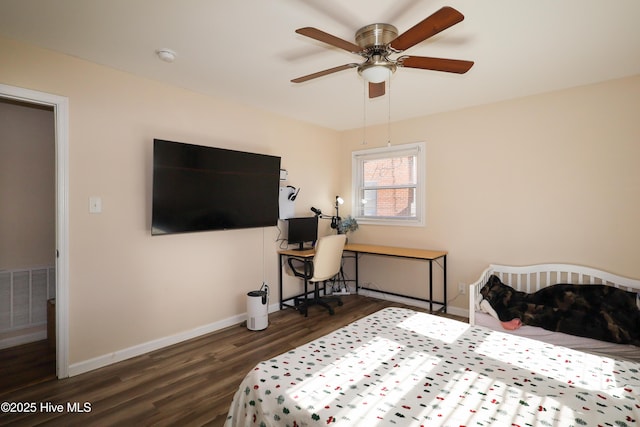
167 55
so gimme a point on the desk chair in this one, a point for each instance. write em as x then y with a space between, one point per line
326 264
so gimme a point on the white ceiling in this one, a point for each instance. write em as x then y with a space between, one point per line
247 50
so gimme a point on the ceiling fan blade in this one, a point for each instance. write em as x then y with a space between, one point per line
437 64
376 89
327 38
428 27
323 73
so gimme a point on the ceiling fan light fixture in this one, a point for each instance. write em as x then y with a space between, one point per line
375 73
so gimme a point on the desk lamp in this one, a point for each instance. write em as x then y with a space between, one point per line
335 220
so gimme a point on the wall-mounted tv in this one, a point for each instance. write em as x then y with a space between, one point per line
199 188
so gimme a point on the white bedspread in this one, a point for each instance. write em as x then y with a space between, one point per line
604 348
404 368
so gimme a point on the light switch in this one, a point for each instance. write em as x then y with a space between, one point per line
95 204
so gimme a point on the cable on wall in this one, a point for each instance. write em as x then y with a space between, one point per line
364 112
264 265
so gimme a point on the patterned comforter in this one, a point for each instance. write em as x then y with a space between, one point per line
398 367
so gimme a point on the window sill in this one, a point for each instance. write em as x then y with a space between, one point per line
391 221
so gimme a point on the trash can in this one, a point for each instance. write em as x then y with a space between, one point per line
258 309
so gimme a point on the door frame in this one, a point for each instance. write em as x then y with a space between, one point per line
60 106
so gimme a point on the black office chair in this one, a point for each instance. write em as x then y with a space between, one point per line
326 264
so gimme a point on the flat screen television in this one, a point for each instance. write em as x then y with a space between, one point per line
302 230
199 188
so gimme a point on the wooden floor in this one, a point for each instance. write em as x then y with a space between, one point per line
188 384
25 365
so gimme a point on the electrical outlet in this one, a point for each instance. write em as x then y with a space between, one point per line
462 288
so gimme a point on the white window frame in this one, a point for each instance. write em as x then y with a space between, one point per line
357 182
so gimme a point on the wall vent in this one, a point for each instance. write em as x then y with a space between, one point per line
23 297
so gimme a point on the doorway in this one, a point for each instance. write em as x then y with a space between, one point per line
27 243
56 106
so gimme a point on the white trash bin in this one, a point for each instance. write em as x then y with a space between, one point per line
258 310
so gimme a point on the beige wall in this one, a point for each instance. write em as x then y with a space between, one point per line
27 186
127 287
548 178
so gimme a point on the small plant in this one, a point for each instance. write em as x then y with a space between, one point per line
347 224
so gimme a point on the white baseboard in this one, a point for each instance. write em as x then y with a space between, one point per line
22 339
456 311
140 349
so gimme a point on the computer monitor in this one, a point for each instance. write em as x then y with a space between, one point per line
302 230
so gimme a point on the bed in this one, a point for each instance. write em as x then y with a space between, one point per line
400 367
535 277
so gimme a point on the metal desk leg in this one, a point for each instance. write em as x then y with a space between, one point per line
430 286
357 278
307 271
444 270
280 279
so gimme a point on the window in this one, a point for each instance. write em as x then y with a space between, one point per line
388 184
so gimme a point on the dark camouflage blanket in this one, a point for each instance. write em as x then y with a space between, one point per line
601 312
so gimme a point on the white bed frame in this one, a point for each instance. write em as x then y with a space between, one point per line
532 278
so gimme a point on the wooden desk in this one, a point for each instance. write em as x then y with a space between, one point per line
363 249
410 253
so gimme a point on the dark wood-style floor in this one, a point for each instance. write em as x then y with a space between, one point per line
188 384
25 365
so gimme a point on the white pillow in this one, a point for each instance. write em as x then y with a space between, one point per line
486 307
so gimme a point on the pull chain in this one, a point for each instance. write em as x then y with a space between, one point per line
364 112
389 116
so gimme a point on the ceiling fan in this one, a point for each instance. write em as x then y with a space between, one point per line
377 42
